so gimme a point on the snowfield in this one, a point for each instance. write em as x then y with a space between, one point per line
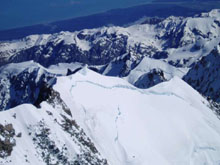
168 124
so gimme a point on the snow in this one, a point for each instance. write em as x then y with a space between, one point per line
58 69
149 37
148 64
215 13
27 115
16 68
130 127
62 68
25 43
168 124
144 34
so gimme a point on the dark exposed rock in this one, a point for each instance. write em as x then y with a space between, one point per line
19 134
204 76
24 87
150 79
160 55
101 52
69 72
54 99
46 147
7 142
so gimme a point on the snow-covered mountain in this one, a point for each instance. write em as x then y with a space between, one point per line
180 41
114 95
115 51
88 118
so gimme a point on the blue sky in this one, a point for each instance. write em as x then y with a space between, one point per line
17 13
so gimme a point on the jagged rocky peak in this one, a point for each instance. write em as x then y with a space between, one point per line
215 13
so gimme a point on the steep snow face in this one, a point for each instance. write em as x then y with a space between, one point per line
94 119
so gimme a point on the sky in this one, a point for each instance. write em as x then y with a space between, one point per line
18 13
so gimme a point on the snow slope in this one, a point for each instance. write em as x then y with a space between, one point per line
168 124
148 64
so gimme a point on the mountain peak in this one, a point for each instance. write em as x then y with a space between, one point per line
215 13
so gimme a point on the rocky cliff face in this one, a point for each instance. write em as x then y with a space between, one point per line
23 85
204 76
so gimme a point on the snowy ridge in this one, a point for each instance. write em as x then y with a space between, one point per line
125 124
97 110
148 64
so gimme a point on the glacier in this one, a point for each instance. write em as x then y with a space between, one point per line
170 123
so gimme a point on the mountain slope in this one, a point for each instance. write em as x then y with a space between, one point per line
23 82
121 123
204 75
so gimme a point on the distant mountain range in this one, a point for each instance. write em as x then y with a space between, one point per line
117 17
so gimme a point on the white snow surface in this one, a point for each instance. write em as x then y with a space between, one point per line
148 64
169 124
62 68
59 69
